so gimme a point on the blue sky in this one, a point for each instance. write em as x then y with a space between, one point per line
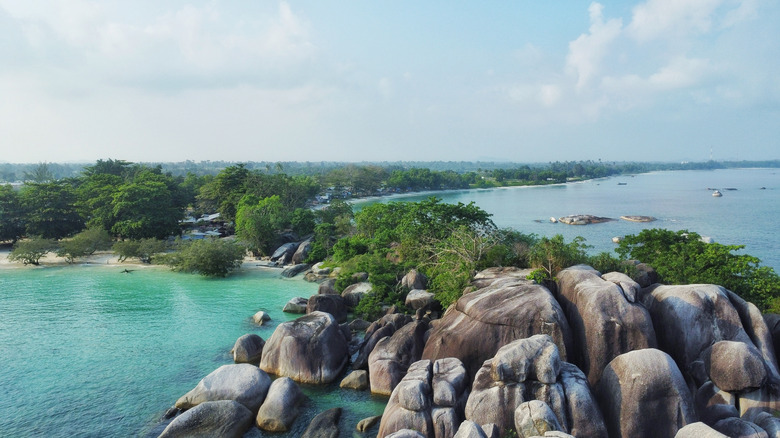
523 81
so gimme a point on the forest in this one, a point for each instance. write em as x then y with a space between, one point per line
139 210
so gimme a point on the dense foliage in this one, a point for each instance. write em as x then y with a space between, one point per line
681 257
207 257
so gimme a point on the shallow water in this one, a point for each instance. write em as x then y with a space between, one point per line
90 351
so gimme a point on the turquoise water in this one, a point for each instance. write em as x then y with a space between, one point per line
90 351
679 200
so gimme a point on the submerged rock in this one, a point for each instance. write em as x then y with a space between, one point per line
324 425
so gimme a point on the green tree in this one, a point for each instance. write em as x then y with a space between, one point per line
146 208
11 214
682 257
552 254
30 251
208 257
51 209
143 249
40 174
259 222
96 198
84 243
224 192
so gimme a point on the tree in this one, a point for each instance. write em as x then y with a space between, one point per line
84 243
682 257
259 222
224 192
143 249
146 208
11 214
208 257
30 251
40 174
96 197
51 209
552 254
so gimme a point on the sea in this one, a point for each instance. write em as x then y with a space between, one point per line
88 350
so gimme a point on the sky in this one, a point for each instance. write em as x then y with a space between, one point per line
322 80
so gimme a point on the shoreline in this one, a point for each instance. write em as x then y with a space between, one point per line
108 259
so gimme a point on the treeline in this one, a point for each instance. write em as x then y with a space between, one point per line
17 173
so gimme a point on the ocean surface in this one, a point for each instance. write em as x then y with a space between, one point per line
679 200
91 351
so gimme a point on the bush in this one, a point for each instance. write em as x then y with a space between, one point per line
208 257
144 249
84 243
553 254
681 257
30 251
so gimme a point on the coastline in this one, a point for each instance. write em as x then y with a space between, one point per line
107 259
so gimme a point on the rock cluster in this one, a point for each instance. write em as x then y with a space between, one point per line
601 356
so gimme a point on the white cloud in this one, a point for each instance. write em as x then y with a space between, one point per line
587 52
672 18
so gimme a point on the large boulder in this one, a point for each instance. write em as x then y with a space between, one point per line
353 293
535 418
481 322
248 349
296 305
357 379
414 280
420 299
391 357
738 427
531 369
698 430
324 425
327 287
222 418
691 318
605 319
244 383
332 304
301 252
429 400
385 326
310 349
293 270
283 254
643 393
280 407
734 366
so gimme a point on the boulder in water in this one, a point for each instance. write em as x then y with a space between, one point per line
222 418
248 349
280 407
310 349
244 383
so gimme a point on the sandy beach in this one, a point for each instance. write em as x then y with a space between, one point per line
106 258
